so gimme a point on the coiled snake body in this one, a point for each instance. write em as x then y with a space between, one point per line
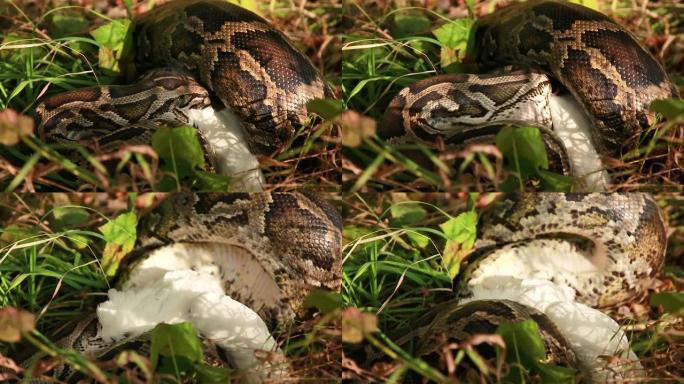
204 48
598 61
270 251
602 249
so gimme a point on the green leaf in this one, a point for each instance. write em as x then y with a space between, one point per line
460 233
670 108
553 182
556 374
207 374
13 233
672 302
67 24
408 24
207 181
453 37
524 344
180 149
116 41
247 4
593 4
120 235
455 33
178 340
525 348
326 108
418 239
524 149
325 301
68 217
407 213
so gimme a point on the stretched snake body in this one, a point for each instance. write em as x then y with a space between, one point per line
598 61
270 250
205 48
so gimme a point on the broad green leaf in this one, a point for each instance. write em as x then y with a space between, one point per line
408 24
523 342
461 233
553 182
68 217
116 42
120 235
670 108
417 239
525 348
556 374
213 375
593 4
672 302
453 37
13 233
207 181
247 4
67 23
326 108
179 340
407 213
524 149
180 149
325 301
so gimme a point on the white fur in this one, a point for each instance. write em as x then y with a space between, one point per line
525 276
572 125
195 295
224 132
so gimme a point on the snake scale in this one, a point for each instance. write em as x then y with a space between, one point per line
598 61
198 52
603 248
270 251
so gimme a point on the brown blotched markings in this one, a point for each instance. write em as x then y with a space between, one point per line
295 237
597 60
95 112
623 235
601 63
458 105
250 67
244 62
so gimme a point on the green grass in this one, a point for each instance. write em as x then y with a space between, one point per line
394 44
48 50
398 267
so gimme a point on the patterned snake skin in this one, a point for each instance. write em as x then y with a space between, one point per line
601 63
204 48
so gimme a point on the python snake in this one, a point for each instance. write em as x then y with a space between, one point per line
599 62
201 52
270 251
594 250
